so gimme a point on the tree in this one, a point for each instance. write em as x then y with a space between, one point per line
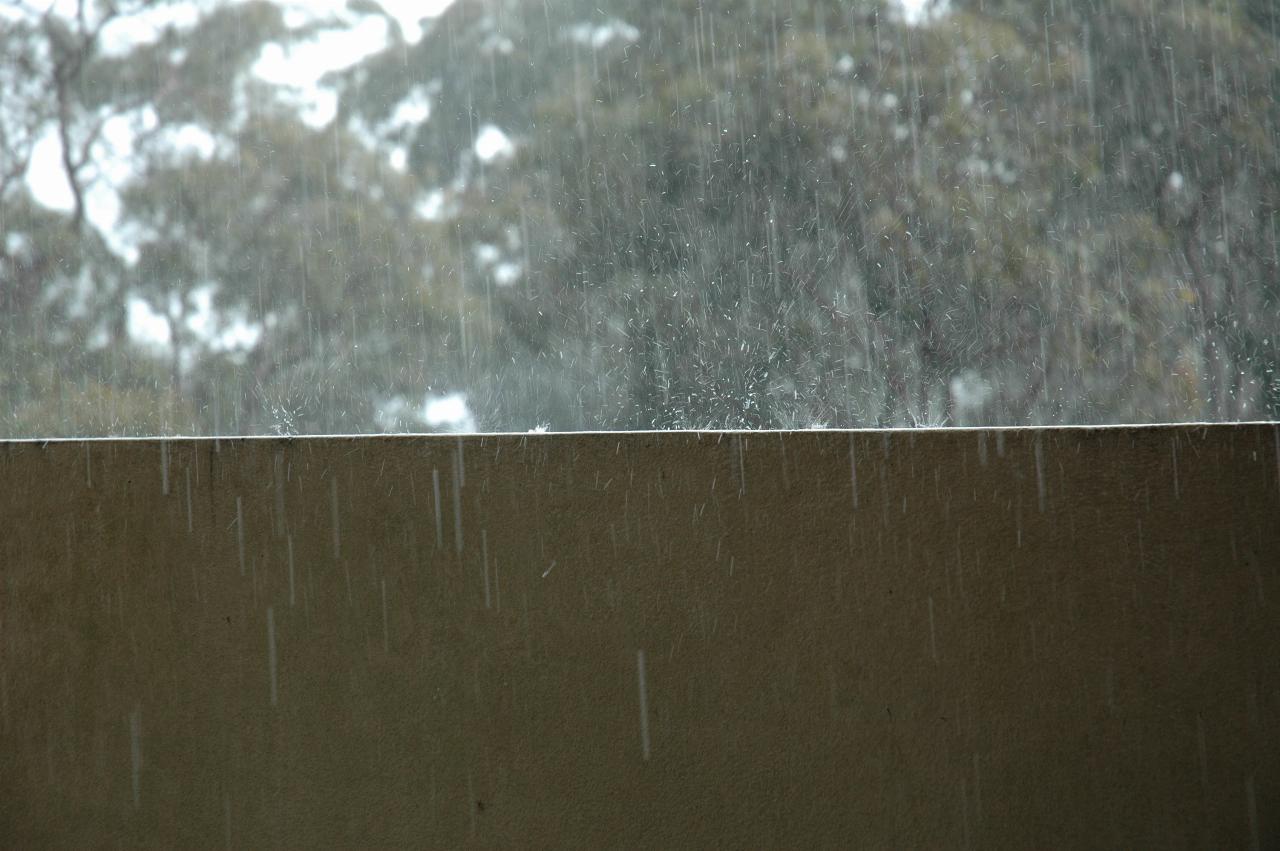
295 239
736 216
683 214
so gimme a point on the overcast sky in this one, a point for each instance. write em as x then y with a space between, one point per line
296 70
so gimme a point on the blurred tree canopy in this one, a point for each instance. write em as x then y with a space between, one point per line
677 214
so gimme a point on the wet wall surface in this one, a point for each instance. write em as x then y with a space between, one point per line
998 638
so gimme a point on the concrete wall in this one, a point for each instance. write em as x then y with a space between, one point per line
1003 638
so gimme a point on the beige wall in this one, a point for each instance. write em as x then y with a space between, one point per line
1022 638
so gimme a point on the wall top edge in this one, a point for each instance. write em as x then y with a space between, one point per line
671 433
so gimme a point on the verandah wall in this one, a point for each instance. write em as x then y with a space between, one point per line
993 638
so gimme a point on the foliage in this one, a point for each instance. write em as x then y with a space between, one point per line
714 214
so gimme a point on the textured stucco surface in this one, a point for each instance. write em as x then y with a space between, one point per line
990 639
